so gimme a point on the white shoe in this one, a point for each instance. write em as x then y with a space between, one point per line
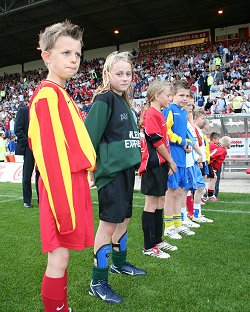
202 219
164 246
172 233
156 252
206 219
190 223
185 230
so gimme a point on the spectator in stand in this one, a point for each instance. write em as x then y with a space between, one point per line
2 147
220 104
12 145
214 87
7 127
213 107
210 81
200 100
12 126
246 104
208 104
237 102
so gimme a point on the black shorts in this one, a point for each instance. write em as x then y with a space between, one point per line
115 198
211 171
203 168
154 181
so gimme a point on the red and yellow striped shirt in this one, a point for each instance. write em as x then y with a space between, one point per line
61 146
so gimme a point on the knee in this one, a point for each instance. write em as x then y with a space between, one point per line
107 228
58 260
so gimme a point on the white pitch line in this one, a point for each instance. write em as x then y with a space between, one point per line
226 211
239 202
220 201
203 209
10 200
9 196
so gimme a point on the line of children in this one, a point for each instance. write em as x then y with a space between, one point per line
155 166
64 150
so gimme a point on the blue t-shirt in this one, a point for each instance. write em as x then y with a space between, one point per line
176 120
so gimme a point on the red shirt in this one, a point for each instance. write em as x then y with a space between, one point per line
217 155
155 131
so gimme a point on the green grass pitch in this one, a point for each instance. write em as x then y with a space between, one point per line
208 273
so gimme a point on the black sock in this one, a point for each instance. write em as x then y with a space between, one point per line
158 225
210 193
148 227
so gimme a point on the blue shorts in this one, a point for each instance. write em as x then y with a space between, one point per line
178 179
195 178
191 179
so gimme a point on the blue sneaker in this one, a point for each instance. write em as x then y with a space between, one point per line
104 291
127 268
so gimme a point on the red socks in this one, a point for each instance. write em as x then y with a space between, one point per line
54 294
190 205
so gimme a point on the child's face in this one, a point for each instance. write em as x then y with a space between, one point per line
120 77
63 59
165 97
182 97
190 107
200 121
216 140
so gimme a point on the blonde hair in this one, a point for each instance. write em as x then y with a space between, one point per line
48 37
157 86
107 67
225 141
198 112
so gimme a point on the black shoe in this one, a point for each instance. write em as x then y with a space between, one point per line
128 269
27 205
104 291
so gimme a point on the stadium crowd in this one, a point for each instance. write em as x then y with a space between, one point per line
219 78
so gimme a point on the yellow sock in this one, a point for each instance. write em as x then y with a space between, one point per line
177 220
169 221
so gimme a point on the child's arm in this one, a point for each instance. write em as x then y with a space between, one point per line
164 153
174 138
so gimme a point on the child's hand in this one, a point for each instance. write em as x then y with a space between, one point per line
172 166
199 160
170 172
91 180
187 148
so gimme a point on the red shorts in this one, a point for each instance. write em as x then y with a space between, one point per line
83 235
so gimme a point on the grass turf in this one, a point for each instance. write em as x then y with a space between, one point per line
208 272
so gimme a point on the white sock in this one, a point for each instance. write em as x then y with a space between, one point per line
183 214
197 210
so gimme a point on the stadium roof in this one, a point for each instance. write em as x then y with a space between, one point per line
22 20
